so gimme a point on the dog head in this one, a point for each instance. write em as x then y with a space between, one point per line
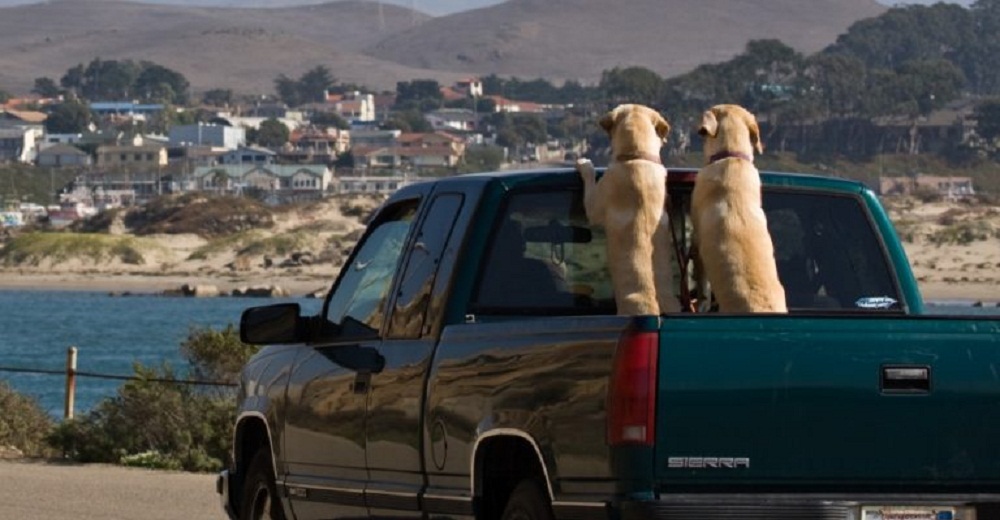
635 130
730 128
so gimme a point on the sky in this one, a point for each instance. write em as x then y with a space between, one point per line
432 7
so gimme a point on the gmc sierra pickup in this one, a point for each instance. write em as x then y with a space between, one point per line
468 363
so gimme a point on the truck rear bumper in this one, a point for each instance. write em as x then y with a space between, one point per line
805 507
222 488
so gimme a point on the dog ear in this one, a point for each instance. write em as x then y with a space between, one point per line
662 126
709 124
608 121
755 135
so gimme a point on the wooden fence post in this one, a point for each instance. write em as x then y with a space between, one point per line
70 382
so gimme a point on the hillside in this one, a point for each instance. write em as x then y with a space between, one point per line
578 39
240 49
245 49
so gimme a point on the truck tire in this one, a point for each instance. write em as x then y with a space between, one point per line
260 494
528 502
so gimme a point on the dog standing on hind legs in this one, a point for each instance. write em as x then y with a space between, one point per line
735 254
628 202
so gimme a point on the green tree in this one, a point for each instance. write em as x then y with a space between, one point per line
5 96
310 87
408 121
314 84
160 84
46 87
218 97
73 79
987 116
110 79
513 131
421 94
481 159
980 59
835 82
70 117
272 133
288 90
329 119
631 85
908 33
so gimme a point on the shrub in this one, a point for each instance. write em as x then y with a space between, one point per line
34 248
153 423
23 423
962 233
926 195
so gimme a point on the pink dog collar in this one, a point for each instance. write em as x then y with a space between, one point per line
639 155
727 154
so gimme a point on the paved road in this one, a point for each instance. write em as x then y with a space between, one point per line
48 491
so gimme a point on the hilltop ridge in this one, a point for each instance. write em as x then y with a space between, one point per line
378 44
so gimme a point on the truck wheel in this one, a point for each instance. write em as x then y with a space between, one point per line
528 502
260 493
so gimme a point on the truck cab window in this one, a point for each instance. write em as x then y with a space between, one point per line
543 257
828 254
358 300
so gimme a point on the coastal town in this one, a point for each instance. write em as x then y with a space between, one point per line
354 155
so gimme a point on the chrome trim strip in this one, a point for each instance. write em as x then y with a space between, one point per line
508 432
326 488
390 493
578 504
445 497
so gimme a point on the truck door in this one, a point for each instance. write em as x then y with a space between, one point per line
324 438
394 427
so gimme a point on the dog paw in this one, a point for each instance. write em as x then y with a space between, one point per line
586 169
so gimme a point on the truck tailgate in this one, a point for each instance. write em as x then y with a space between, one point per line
820 402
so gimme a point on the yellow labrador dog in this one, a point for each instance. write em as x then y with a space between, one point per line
628 202
735 255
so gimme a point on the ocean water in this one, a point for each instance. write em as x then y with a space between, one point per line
113 333
110 334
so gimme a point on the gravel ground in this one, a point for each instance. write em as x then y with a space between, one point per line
55 491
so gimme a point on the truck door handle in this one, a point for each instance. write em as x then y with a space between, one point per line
906 379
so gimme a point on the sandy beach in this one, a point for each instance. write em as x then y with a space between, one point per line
148 283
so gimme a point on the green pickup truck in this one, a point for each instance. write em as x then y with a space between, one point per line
468 363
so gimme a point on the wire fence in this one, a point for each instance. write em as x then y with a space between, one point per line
71 373
98 375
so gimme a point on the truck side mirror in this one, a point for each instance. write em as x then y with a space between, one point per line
280 323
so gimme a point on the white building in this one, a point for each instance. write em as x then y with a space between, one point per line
282 183
461 119
20 143
215 136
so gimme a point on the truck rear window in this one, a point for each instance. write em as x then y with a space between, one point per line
544 258
828 253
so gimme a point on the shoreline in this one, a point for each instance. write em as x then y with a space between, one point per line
119 283
308 284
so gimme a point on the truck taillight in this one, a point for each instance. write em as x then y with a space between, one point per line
632 391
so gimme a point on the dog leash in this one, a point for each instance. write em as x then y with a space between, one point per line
683 261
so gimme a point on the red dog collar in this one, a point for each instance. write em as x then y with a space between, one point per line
727 154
